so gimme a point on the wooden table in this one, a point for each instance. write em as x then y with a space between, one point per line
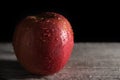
89 61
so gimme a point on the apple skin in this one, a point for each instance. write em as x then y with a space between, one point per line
43 43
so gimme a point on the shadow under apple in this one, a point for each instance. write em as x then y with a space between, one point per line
13 70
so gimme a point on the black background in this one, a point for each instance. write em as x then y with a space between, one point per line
91 21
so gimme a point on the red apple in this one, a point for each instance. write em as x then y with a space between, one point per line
43 43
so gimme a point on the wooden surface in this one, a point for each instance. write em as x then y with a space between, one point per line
89 61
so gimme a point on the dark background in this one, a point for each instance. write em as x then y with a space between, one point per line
91 21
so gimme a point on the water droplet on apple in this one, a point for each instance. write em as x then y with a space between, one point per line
53 30
48 21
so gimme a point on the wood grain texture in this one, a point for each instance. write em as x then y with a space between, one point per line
89 61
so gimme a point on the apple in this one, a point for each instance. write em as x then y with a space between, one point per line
43 43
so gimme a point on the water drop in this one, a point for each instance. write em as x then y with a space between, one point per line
44 40
40 38
53 22
48 21
46 35
64 22
44 28
42 18
47 30
53 30
49 35
59 18
31 17
56 39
